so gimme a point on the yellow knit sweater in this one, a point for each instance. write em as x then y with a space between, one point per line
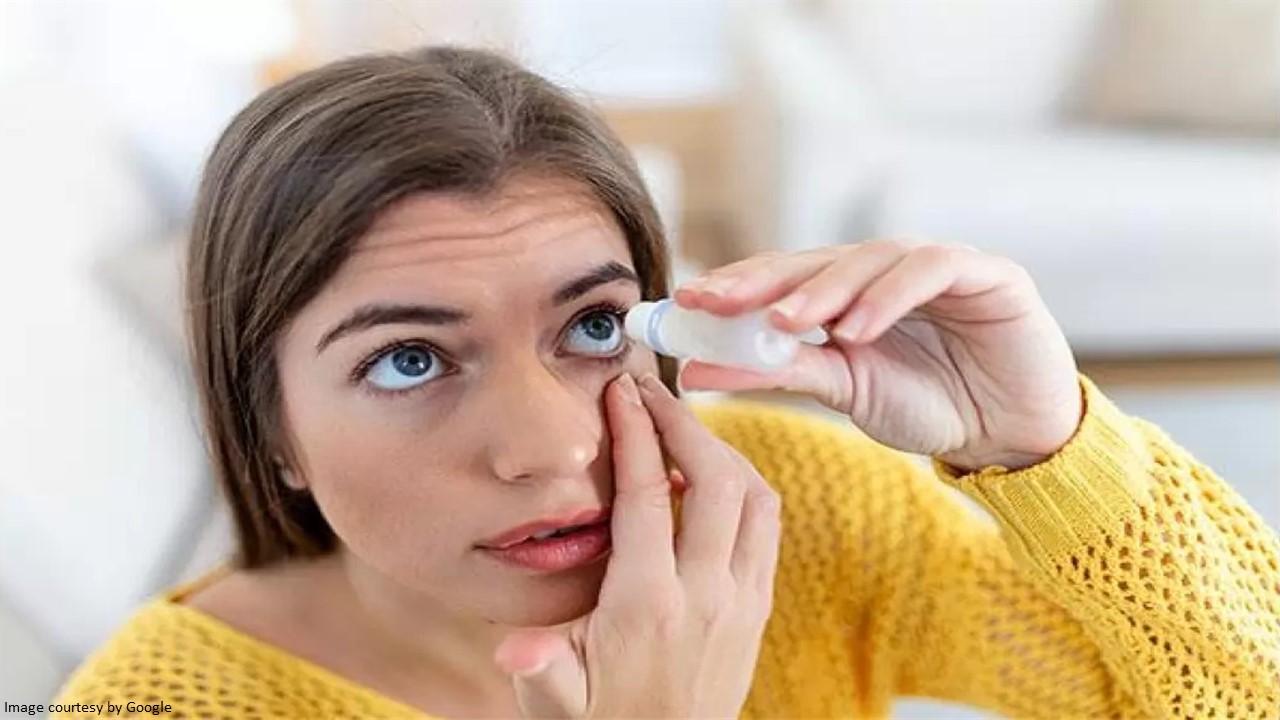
1120 578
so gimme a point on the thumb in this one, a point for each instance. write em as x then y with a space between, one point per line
822 372
549 678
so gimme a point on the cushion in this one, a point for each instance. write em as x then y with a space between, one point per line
971 63
1140 244
1195 64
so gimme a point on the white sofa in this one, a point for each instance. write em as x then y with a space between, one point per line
942 120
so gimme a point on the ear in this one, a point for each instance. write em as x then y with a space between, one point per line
287 475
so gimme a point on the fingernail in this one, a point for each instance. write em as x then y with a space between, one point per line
791 306
651 386
535 669
627 385
695 286
717 286
850 329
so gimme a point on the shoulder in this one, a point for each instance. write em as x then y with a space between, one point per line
161 655
176 655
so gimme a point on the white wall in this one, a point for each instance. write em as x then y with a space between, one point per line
621 50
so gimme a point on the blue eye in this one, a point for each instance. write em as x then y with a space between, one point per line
404 368
597 333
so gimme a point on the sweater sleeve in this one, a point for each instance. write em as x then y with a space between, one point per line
1120 578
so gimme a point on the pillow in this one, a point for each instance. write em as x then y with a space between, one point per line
976 63
1210 65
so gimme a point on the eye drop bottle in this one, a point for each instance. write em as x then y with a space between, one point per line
747 341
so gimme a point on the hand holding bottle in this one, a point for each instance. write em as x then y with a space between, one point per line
938 350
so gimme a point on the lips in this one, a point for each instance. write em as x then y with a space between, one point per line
546 526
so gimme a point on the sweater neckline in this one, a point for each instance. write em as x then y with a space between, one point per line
173 601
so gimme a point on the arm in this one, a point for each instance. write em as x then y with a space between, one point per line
1113 537
1123 579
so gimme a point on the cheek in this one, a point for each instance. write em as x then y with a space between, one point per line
387 495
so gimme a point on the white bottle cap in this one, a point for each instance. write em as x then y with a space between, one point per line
642 324
774 350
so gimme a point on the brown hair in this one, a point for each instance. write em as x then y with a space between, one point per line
295 180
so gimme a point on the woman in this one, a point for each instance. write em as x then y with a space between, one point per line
452 476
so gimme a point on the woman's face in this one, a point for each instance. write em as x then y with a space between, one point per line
447 386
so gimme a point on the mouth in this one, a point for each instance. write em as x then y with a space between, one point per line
550 546
561 526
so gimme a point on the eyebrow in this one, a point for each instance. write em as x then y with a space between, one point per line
611 271
373 315
369 316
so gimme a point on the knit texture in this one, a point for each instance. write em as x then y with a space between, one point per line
1119 578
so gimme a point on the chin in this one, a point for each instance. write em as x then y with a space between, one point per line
547 600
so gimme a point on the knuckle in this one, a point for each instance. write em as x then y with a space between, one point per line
655 496
739 461
713 605
1013 270
873 300
736 472
760 610
885 247
767 505
659 608
827 252
614 632
1019 273
726 492
666 612
937 254
753 612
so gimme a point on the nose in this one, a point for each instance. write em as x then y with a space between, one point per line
541 426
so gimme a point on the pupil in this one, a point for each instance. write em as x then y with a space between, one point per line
600 327
413 363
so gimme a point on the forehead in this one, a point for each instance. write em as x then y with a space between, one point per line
532 227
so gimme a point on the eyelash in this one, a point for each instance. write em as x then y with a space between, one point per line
358 373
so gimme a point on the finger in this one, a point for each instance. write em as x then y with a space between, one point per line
711 284
751 285
642 523
678 481
713 279
819 371
548 676
712 505
827 295
755 555
922 276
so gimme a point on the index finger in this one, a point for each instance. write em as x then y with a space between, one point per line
712 506
642 523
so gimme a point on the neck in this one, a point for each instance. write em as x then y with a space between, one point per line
422 638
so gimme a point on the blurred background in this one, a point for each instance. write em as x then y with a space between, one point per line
1127 153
